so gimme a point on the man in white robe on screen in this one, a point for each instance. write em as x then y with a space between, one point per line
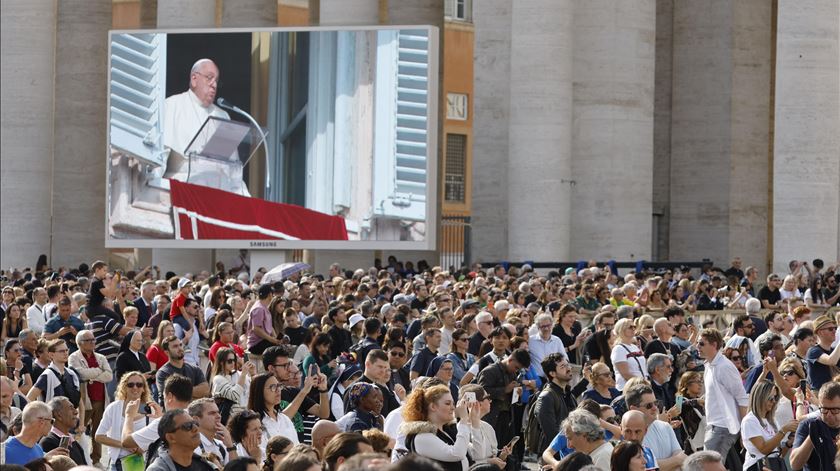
183 116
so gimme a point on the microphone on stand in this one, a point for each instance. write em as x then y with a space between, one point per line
230 106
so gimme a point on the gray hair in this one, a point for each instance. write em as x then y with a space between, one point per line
752 306
584 423
483 316
35 410
58 403
543 317
196 407
697 460
655 361
81 333
24 334
624 312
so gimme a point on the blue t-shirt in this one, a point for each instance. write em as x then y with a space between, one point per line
604 401
18 453
822 436
650 461
561 445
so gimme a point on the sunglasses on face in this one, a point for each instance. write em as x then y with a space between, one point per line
134 385
188 426
398 354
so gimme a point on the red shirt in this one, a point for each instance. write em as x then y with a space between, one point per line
218 344
156 355
96 390
177 304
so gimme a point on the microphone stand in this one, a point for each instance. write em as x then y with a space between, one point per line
224 104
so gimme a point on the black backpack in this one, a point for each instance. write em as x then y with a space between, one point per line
532 428
71 391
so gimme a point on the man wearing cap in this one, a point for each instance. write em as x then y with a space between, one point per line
260 326
821 357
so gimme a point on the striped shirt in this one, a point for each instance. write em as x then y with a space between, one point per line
106 331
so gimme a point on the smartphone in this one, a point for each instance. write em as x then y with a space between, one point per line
246 357
145 409
64 442
680 400
469 397
313 370
513 442
803 385
771 354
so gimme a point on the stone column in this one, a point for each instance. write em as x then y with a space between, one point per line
662 128
185 14
79 159
492 19
28 35
612 140
719 130
348 12
249 13
539 152
806 161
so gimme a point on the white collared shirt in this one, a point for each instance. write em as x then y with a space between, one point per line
725 390
36 318
214 446
540 349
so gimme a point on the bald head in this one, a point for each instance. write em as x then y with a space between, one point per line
322 433
663 328
633 426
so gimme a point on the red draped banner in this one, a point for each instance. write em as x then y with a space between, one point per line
204 213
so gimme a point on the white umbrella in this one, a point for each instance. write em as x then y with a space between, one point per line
283 271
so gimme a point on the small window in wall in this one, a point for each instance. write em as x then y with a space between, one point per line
460 10
456 163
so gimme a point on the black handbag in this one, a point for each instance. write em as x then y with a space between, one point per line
773 463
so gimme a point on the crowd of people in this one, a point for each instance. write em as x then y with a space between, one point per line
392 368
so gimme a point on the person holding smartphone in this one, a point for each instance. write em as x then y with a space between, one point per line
66 417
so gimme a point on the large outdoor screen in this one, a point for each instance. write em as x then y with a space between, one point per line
273 138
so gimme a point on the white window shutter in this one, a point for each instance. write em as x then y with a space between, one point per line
137 87
401 146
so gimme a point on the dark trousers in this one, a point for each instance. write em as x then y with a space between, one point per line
259 348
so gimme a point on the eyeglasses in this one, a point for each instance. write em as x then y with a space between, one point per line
446 368
134 385
734 358
397 354
52 420
830 329
649 405
545 326
87 340
774 398
830 410
274 387
188 426
210 78
286 366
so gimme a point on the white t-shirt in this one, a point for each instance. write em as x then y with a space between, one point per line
282 425
661 440
750 428
790 294
146 435
633 357
111 426
601 456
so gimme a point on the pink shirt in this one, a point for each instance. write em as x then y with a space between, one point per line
259 317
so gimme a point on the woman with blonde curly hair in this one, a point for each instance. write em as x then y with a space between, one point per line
430 430
132 386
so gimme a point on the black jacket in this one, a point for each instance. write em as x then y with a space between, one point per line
494 379
550 412
389 399
51 442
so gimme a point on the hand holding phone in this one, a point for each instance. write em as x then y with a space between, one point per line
64 442
313 370
470 397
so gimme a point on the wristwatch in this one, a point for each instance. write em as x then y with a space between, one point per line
230 448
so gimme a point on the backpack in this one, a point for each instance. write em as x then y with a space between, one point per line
71 391
533 430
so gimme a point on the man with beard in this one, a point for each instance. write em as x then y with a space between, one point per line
176 365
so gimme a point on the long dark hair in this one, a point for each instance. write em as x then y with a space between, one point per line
256 398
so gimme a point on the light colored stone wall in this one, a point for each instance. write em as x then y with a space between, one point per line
612 139
752 47
27 33
81 91
807 142
700 130
349 12
662 127
491 107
